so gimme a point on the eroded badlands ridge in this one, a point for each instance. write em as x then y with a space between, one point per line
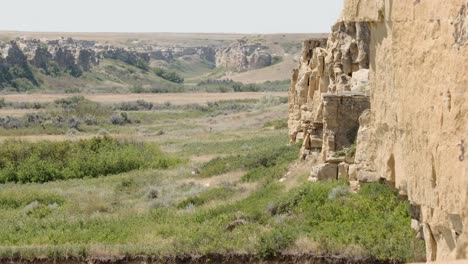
414 133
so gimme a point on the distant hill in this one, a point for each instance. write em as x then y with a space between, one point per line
146 62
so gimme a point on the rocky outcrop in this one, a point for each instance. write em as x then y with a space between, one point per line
418 123
64 57
15 56
83 55
87 58
65 54
416 128
126 56
325 101
242 56
162 54
42 57
414 135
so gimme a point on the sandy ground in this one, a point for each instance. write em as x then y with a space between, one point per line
173 98
16 112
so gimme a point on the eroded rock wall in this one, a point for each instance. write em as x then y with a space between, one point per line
328 90
416 132
243 56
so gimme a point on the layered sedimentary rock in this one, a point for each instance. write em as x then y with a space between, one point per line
415 133
71 53
242 56
125 55
416 129
325 101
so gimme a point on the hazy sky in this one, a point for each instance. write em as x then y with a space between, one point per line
241 16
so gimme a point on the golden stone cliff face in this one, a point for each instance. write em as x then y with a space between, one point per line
415 134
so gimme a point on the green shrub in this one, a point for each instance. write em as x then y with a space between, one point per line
347 152
168 75
141 64
49 161
273 243
137 89
52 69
72 90
22 84
75 71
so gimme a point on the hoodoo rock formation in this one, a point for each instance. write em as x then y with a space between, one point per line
414 134
328 94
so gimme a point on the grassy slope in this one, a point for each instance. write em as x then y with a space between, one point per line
109 76
166 212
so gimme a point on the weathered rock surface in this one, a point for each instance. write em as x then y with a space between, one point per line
323 109
71 53
15 55
343 171
324 172
415 134
242 56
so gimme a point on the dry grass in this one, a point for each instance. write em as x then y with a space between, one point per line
176 99
17 112
226 178
164 39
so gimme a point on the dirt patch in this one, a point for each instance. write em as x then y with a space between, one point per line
227 178
277 72
204 158
17 112
173 98
298 172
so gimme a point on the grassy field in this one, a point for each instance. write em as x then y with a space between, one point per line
194 177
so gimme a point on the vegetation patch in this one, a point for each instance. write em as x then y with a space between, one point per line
220 193
267 163
335 221
168 75
49 161
228 86
277 124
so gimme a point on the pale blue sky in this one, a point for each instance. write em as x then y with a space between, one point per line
220 16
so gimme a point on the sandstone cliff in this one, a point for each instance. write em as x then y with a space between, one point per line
242 56
325 100
414 135
68 56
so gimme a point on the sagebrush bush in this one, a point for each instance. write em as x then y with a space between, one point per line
49 161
